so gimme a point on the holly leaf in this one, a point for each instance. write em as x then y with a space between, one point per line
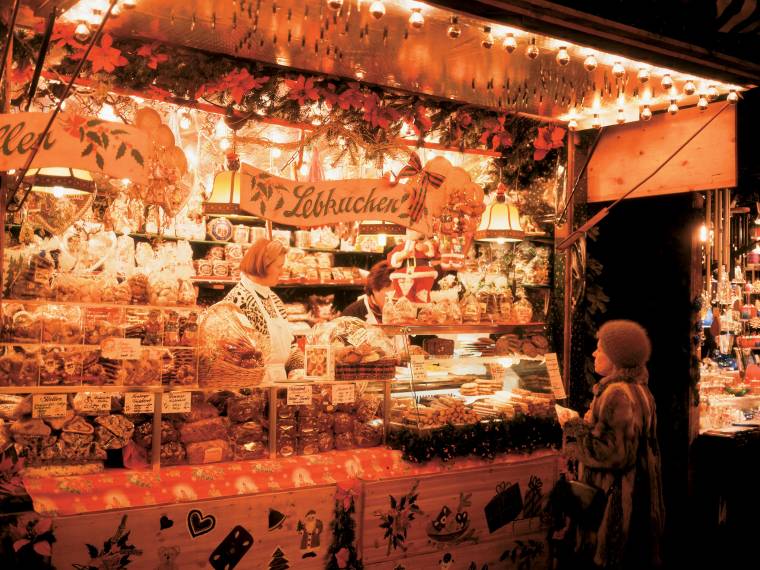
403 215
93 136
404 197
104 138
118 132
93 122
121 150
137 156
88 149
256 196
262 208
99 160
280 203
393 502
92 551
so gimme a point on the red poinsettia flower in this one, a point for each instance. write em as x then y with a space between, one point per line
105 57
302 89
351 98
330 95
418 120
341 557
494 130
458 124
149 52
376 114
63 35
548 138
21 75
240 82
72 123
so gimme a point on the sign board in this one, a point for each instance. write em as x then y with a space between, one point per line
138 403
121 348
419 374
555 378
49 406
308 204
94 402
75 141
344 393
176 403
299 395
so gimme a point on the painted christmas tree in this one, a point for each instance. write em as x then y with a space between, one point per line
278 561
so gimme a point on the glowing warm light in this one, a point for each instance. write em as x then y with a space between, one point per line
58 191
563 58
276 152
221 130
107 113
416 19
82 32
185 122
225 144
510 43
703 233
191 156
129 4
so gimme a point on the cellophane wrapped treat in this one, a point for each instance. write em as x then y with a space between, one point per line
232 352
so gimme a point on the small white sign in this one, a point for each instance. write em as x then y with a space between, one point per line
299 395
419 374
497 371
49 406
358 337
555 378
94 402
121 348
138 403
175 403
344 393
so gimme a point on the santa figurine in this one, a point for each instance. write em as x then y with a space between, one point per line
414 259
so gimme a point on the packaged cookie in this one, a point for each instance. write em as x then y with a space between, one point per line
247 432
113 431
344 440
212 451
368 434
325 441
287 427
19 365
250 450
325 422
203 430
173 453
25 326
61 366
245 408
61 324
138 286
286 446
343 423
145 324
308 445
101 323
178 367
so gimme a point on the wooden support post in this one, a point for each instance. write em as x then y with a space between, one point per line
708 241
727 230
567 318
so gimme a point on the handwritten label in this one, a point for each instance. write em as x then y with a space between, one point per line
49 405
343 393
94 402
121 348
299 395
419 374
358 337
8 409
555 378
497 371
175 403
138 403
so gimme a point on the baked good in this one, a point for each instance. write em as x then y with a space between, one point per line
344 440
343 423
247 432
308 445
70 470
250 450
368 434
203 430
172 453
33 429
211 451
325 441
286 446
244 408
113 431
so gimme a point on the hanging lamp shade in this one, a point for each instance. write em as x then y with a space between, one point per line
60 181
225 194
500 222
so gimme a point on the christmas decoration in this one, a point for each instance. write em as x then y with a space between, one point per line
590 63
116 551
342 553
416 19
487 41
532 51
643 75
454 31
563 58
667 81
510 43
278 561
398 518
534 498
523 434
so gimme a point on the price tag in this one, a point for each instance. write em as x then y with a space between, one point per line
497 371
138 403
8 409
49 405
419 374
299 395
175 403
121 348
358 337
555 378
344 393
94 402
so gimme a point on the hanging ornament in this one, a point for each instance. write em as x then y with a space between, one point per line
377 9
643 74
416 19
712 93
590 63
335 4
618 70
620 116
646 113
667 81
596 122
689 88
702 103
82 32
510 43
487 41
532 51
563 58
733 96
673 107
454 31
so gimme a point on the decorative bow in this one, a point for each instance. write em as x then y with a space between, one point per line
413 168
345 492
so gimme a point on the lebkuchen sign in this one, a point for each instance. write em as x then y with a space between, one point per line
74 141
413 204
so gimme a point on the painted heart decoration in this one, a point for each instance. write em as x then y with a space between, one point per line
165 522
198 524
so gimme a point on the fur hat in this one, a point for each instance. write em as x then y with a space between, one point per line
625 343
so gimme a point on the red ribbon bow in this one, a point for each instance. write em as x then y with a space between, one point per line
413 168
345 493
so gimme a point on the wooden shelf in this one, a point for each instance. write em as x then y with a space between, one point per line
465 328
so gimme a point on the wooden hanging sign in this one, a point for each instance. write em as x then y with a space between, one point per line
75 141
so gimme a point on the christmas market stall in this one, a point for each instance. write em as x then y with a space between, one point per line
149 146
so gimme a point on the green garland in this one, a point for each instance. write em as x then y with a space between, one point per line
342 553
523 434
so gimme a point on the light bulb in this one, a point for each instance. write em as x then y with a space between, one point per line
220 131
673 107
590 63
563 58
572 124
129 4
596 122
191 156
454 31
377 9
416 19
276 152
646 113
224 144
689 88
487 41
184 121
510 43
703 233
712 92
667 81
620 116
82 32
702 103
643 74
58 191
304 170
335 4
733 96
618 70
116 11
532 51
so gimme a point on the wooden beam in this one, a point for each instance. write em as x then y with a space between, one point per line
628 153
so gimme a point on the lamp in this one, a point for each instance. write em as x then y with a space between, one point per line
225 193
374 235
500 222
60 181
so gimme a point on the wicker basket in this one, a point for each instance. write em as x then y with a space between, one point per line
218 373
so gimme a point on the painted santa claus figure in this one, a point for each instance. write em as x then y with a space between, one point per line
414 259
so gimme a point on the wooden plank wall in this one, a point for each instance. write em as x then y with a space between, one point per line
629 153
